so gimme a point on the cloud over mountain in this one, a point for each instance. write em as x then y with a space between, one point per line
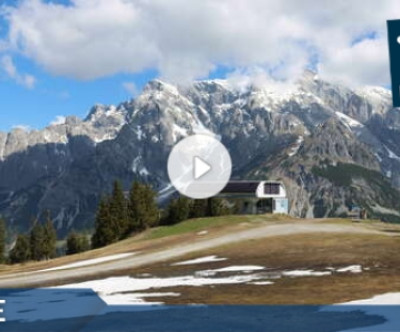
88 39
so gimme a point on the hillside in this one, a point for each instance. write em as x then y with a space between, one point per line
217 260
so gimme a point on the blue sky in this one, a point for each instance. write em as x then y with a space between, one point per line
71 54
57 95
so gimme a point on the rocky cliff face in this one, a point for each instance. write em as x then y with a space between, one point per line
334 147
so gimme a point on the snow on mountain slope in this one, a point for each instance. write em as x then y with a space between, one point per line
67 166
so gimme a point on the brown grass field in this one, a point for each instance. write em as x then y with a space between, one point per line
377 253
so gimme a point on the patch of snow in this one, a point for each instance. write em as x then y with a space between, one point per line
349 121
261 283
90 262
351 268
385 299
200 128
138 168
124 290
112 111
201 260
235 268
139 133
379 98
306 273
385 305
178 131
137 298
144 172
169 88
145 275
392 155
58 220
296 146
58 121
105 137
378 157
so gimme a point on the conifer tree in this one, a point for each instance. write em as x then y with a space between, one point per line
178 210
2 240
142 207
37 242
118 211
50 238
217 207
21 251
77 243
105 232
198 208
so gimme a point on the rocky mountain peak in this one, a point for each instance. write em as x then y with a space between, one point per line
280 132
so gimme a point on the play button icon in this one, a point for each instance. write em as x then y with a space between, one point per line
199 166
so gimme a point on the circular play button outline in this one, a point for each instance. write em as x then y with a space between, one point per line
199 166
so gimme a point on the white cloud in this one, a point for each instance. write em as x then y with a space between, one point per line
23 127
257 77
362 63
97 38
59 120
131 88
11 70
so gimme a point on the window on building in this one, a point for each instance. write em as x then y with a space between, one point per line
271 188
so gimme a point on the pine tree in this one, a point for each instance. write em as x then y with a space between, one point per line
118 211
77 243
217 207
198 208
142 208
37 242
105 232
50 238
178 210
21 251
2 240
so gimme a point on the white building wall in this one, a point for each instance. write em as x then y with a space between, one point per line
281 205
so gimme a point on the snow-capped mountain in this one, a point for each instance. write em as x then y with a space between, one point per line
333 146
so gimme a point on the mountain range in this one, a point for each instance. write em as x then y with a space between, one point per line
333 146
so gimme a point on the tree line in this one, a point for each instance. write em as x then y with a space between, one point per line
118 216
183 208
39 244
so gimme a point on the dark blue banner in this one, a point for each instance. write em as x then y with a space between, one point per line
394 53
62 310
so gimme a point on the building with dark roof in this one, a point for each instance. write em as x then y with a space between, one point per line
257 196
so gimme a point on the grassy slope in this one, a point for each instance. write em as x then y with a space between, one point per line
166 236
196 225
153 239
307 251
377 253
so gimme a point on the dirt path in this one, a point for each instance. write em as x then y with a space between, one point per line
32 279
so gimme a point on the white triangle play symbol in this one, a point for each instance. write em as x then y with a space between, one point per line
200 168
